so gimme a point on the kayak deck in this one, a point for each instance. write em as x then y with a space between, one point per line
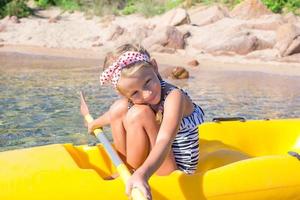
238 160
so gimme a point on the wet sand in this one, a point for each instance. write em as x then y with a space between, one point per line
95 57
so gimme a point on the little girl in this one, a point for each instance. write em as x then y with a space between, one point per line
155 124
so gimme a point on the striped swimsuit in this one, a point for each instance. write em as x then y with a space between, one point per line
186 143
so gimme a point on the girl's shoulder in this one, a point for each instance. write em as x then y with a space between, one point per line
168 87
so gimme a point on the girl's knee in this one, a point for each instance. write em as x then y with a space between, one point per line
139 114
118 109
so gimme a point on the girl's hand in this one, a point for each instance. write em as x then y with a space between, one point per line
92 126
139 181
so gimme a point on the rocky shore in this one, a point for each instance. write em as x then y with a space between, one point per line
249 37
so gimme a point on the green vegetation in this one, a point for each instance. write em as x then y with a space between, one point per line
228 3
279 6
64 4
149 7
14 8
126 7
92 7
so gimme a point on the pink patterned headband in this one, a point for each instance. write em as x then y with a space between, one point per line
113 73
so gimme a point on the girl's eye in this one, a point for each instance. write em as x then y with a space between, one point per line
147 82
134 94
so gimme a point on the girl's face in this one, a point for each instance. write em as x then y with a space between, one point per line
143 87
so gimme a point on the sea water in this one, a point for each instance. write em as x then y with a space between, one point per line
39 101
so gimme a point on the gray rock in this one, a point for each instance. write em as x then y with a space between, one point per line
174 17
288 39
209 15
167 36
295 58
265 22
265 55
249 9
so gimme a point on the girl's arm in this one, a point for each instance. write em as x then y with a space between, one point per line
99 122
173 112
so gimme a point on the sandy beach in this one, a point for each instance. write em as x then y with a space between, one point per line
249 44
95 57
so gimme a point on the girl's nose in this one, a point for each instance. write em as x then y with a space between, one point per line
146 94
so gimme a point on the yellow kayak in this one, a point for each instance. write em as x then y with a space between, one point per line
255 160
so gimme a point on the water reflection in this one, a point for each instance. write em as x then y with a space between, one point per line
39 104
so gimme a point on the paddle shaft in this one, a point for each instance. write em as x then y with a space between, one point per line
122 169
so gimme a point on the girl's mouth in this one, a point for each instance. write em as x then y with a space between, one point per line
153 99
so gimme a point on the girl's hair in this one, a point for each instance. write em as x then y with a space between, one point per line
111 57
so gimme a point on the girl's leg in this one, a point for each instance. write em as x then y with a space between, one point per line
117 113
141 132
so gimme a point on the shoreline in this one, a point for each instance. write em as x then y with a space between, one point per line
207 62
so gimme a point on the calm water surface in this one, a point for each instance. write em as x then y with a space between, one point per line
39 101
